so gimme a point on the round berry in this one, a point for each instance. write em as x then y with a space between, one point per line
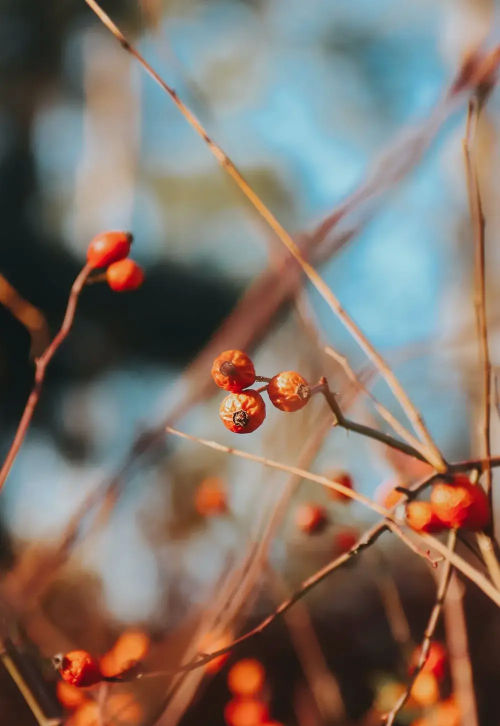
243 412
289 391
420 516
78 668
246 677
210 497
233 371
245 712
345 540
436 660
461 504
345 479
311 518
124 275
108 247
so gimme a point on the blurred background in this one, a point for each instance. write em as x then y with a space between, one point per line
303 96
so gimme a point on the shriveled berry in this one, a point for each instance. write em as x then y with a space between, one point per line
233 371
311 518
108 247
461 504
436 662
421 517
345 479
289 391
124 275
78 668
243 412
210 497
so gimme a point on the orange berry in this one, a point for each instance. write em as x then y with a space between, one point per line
210 497
246 677
210 645
86 715
311 518
245 712
69 696
78 668
436 660
425 690
233 371
108 247
421 517
129 649
289 391
345 479
124 275
345 539
461 504
446 713
387 496
243 412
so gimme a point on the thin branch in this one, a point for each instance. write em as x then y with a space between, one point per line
428 635
433 454
482 582
41 367
28 315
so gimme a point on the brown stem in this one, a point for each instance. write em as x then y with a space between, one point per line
41 367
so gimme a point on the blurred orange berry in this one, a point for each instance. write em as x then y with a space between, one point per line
130 648
425 690
446 713
345 479
387 496
461 504
86 715
108 247
78 668
245 712
289 391
311 518
124 276
246 677
243 413
233 371
122 708
345 539
420 517
69 696
210 497
209 644
436 660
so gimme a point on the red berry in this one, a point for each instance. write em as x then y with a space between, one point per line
289 391
78 668
233 371
311 518
108 247
124 275
243 412
461 504
436 660
421 517
345 479
345 540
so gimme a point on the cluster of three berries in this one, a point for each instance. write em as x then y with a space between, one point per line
244 410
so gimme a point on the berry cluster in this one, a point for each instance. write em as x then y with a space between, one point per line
244 410
456 505
111 250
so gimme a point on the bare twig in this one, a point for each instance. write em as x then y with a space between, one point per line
41 367
428 635
433 454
